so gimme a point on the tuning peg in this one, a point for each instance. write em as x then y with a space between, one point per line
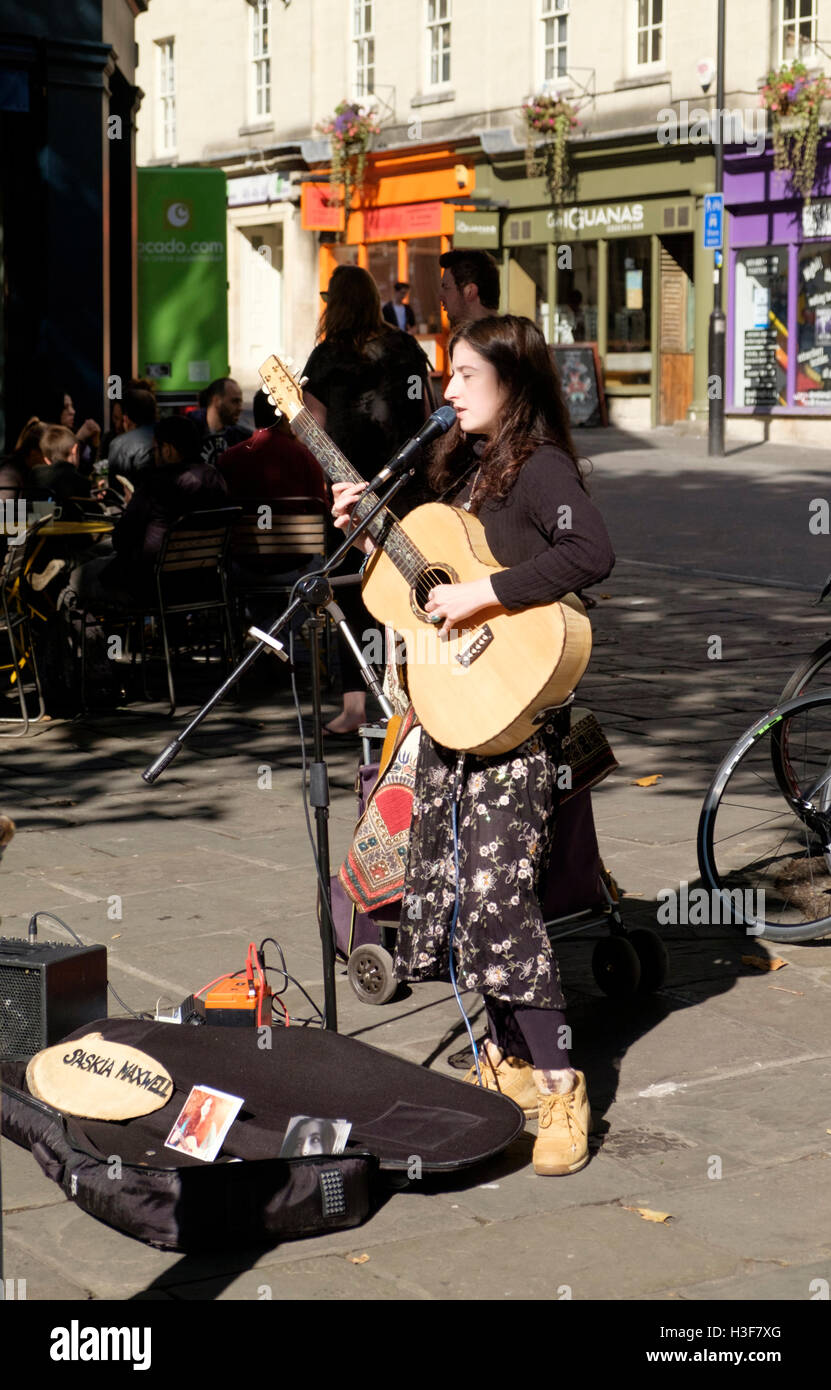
302 381
271 399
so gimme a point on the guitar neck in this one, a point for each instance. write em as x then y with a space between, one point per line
338 469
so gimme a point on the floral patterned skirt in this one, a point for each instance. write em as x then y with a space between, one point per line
506 812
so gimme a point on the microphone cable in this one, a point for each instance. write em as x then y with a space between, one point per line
31 935
456 909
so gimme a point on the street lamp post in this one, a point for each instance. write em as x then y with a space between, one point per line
718 323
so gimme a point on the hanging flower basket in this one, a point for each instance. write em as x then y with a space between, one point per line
794 101
552 118
350 130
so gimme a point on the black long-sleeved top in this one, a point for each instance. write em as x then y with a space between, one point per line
547 532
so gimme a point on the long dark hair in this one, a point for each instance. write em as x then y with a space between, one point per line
353 308
534 413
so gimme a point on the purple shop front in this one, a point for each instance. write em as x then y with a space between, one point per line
779 295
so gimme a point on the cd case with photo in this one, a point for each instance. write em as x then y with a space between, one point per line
203 1122
312 1134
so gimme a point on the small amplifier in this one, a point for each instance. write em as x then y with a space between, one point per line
46 991
230 1003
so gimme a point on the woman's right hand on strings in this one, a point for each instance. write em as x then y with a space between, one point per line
346 497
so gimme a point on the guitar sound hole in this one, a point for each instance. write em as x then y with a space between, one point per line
427 580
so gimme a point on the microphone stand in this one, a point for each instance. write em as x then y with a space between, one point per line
314 592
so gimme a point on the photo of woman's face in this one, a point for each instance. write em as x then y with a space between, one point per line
312 1144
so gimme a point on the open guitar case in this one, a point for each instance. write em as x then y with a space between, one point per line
121 1173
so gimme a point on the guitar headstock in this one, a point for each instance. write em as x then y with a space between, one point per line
282 388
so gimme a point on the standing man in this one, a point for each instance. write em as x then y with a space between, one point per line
469 286
221 404
396 312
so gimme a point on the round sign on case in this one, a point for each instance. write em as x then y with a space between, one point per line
98 1079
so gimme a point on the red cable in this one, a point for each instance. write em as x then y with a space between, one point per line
231 976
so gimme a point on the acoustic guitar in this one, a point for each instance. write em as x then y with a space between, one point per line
490 684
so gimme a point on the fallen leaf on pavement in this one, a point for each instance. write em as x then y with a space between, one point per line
764 962
115 938
650 1215
782 990
358 1259
648 781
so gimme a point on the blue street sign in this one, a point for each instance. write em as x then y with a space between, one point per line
713 221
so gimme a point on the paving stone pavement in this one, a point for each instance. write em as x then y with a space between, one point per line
710 1098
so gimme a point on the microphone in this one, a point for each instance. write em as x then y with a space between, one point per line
438 423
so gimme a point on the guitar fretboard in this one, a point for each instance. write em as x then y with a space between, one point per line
407 558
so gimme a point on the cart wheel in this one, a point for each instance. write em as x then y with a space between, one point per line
616 967
653 956
370 974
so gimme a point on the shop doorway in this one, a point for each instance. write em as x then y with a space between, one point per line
382 264
527 286
676 328
523 290
260 329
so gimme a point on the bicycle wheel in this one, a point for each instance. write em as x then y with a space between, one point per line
809 671
765 860
814 670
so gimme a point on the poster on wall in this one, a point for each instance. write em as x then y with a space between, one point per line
761 334
634 289
813 318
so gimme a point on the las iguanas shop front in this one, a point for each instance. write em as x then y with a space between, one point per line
622 266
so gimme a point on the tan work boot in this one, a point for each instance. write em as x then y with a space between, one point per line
562 1145
511 1076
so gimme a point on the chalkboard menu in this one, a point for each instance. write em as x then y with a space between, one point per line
581 380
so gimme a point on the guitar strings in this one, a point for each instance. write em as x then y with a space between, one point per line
422 576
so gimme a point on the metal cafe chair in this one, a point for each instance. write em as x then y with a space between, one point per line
195 548
193 553
271 544
15 626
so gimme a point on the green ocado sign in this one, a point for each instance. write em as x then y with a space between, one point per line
182 277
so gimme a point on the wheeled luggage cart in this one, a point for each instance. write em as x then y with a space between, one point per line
579 894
